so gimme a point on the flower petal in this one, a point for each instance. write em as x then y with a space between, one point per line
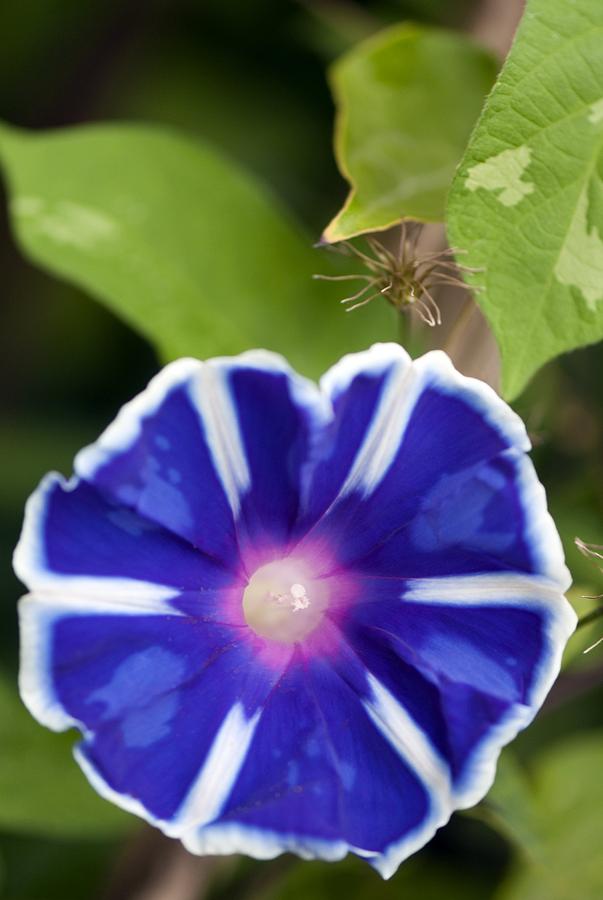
173 455
489 646
165 702
357 388
486 518
280 419
405 487
324 776
208 445
426 469
76 541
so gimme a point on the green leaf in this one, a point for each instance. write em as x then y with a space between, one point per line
42 789
568 800
423 876
510 807
407 99
36 868
584 651
527 201
184 246
34 447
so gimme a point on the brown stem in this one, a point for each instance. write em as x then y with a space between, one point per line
467 310
154 867
495 23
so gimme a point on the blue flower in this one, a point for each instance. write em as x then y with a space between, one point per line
296 618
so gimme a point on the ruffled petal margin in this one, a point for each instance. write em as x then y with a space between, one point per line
167 704
415 480
216 452
471 658
74 540
425 474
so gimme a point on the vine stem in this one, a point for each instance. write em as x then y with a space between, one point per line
462 320
154 867
402 329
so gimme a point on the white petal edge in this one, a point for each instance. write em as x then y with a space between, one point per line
391 719
220 838
225 757
407 381
31 567
208 792
207 386
209 398
413 747
125 429
504 590
416 749
434 368
224 839
541 534
38 614
304 393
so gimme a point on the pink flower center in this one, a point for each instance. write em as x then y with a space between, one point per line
284 601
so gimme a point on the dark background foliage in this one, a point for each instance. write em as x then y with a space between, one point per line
250 78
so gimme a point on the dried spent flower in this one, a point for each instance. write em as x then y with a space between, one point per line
592 552
406 279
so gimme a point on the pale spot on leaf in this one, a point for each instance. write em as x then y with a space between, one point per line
27 206
580 262
595 112
503 174
66 222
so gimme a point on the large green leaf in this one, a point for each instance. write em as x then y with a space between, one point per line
407 100
510 807
181 244
527 202
567 800
42 789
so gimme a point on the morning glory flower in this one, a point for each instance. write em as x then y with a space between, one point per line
290 617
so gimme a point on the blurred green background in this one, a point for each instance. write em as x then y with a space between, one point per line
250 78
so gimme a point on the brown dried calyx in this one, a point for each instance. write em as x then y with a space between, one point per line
405 279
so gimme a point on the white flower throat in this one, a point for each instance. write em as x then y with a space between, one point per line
283 601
